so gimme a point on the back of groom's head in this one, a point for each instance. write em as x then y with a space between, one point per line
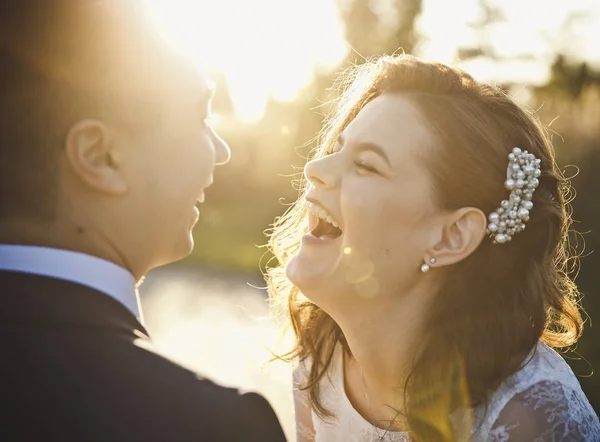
61 61
104 141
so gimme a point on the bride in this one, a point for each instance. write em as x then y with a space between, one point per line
424 268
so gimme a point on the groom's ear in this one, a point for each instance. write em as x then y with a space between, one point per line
91 155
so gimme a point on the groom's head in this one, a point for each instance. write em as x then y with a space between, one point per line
102 130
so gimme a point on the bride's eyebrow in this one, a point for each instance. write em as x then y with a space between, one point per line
368 146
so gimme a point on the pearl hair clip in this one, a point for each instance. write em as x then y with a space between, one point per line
522 180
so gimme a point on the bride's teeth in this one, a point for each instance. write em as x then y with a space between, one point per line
321 213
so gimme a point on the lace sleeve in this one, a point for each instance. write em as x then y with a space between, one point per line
305 431
547 412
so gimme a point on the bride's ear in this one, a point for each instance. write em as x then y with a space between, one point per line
462 233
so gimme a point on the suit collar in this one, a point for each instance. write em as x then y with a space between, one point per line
90 271
36 299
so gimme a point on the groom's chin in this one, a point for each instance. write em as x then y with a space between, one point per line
180 249
185 247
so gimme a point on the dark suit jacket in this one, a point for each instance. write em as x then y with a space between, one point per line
75 365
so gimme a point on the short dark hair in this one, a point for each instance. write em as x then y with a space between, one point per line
58 63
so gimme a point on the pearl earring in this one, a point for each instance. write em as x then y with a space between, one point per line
426 267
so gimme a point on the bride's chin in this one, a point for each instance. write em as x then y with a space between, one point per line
294 275
311 271
293 271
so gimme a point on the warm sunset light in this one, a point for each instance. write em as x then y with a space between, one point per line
271 47
388 229
261 46
528 32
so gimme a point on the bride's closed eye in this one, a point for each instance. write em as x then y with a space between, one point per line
365 167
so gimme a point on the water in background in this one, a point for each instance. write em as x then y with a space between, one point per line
216 324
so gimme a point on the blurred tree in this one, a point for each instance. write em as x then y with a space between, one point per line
488 16
404 34
362 27
384 27
369 32
570 77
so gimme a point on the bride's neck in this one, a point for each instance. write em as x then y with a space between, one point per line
383 337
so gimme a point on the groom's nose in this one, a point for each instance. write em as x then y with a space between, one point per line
222 151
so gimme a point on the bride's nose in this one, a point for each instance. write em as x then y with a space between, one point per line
321 172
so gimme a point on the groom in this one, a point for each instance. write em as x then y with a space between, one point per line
104 156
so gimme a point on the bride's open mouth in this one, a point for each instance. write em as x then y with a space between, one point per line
321 223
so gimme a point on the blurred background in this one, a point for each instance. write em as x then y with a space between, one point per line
273 62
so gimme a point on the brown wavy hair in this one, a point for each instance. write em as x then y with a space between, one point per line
493 306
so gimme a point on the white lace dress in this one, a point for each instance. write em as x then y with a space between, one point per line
541 402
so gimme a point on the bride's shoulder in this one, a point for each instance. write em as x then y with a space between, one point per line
543 395
302 368
544 370
543 410
543 365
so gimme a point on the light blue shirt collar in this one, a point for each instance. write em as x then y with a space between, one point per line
90 271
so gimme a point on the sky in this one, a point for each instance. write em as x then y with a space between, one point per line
271 47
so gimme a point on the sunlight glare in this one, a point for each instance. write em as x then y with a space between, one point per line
265 48
525 42
270 48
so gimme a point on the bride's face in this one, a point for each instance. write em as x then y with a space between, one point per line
377 189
